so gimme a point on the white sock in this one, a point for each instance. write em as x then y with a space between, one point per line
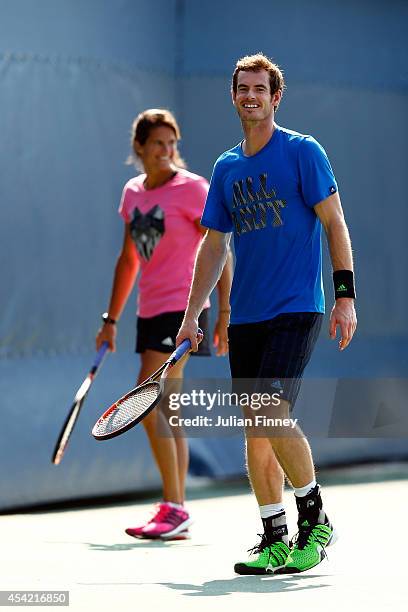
271 510
174 505
303 491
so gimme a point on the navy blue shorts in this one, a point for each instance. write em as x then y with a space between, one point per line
273 352
159 333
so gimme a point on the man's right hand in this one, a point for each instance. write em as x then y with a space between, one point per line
189 329
107 333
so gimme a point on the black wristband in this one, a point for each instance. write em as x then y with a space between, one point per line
344 284
107 319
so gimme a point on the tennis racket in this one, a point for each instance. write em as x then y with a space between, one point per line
130 409
79 399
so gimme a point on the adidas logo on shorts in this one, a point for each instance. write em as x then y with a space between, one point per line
167 341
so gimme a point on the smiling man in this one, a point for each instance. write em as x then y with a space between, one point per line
274 191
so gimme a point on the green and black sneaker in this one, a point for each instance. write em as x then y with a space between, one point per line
266 557
309 547
315 534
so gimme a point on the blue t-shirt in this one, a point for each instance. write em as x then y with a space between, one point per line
267 201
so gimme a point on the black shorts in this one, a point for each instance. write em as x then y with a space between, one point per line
274 352
159 333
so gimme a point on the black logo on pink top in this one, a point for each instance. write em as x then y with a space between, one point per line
147 230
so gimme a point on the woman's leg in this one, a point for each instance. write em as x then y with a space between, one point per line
175 383
170 451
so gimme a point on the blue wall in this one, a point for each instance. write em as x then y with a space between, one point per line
73 77
73 74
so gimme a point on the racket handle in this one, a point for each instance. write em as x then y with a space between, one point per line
100 355
183 348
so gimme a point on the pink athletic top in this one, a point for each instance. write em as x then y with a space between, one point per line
166 238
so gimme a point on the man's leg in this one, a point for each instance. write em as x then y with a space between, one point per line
265 474
264 471
291 341
267 480
291 449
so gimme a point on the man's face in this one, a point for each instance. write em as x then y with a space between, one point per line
253 99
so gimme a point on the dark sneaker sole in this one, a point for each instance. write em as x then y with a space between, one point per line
177 536
183 535
245 570
291 570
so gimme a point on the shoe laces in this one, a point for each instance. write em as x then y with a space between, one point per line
258 548
274 548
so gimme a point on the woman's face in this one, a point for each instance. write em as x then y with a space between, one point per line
157 153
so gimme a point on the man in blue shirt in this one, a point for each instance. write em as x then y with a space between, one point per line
274 191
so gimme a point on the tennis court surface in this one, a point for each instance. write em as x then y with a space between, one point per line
86 552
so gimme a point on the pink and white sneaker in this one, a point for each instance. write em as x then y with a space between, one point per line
167 523
182 535
160 510
170 524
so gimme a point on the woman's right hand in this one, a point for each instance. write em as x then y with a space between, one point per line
107 333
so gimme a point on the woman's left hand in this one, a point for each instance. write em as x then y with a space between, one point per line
220 340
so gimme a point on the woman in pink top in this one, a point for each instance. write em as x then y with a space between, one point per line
161 209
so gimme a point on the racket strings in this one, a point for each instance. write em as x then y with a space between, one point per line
129 409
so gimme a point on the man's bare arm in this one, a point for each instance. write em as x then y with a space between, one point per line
209 264
220 335
343 313
331 215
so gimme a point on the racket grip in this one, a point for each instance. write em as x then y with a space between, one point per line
100 355
183 348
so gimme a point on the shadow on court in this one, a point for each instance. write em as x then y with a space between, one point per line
138 545
247 584
159 574
262 585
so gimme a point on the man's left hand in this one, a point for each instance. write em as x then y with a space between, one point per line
220 340
343 315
